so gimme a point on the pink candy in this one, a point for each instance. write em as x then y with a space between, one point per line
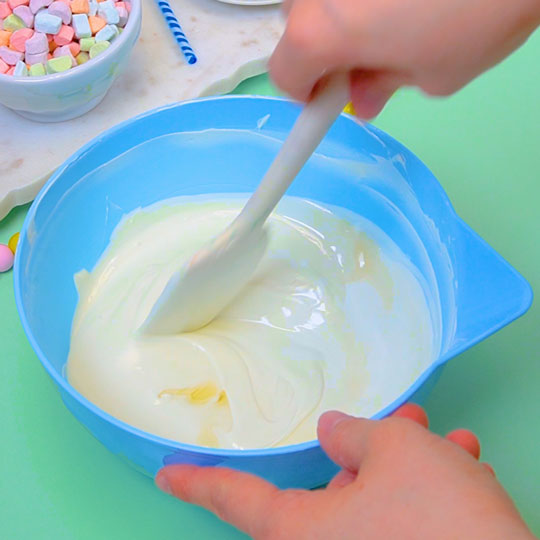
5 10
123 14
14 3
6 258
75 48
3 66
18 39
65 35
9 56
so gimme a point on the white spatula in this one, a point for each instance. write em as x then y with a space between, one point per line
200 290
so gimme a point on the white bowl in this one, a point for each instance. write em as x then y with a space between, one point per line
66 95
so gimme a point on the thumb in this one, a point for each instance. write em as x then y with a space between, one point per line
344 438
370 91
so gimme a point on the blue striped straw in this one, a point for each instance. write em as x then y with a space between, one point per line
177 31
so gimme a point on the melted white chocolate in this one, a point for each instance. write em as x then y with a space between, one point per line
330 320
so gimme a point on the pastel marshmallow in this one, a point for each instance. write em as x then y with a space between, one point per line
65 51
75 48
92 7
36 5
12 23
64 36
108 33
79 6
123 14
81 25
9 56
25 14
96 23
87 43
62 10
82 58
125 5
4 38
59 64
3 66
14 3
37 58
46 23
5 10
98 48
20 70
37 70
18 39
38 43
107 11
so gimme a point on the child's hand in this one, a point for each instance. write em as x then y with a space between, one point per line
398 480
437 45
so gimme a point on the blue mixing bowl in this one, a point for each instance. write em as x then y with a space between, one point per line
223 145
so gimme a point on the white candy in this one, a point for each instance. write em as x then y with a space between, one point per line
107 33
81 26
20 70
107 11
93 7
48 24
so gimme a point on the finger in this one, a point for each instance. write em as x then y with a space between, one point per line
413 412
343 478
489 468
467 440
307 50
370 91
239 498
344 438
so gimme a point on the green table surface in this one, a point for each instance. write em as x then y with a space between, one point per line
483 144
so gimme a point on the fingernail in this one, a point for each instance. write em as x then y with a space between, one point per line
333 418
162 483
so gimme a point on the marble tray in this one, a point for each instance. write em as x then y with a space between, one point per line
232 43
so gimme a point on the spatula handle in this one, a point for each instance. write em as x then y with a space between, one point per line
308 131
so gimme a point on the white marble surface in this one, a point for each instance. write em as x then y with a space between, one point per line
232 43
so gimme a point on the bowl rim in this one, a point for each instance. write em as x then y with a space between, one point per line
175 446
134 17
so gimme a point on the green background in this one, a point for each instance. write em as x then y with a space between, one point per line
483 144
